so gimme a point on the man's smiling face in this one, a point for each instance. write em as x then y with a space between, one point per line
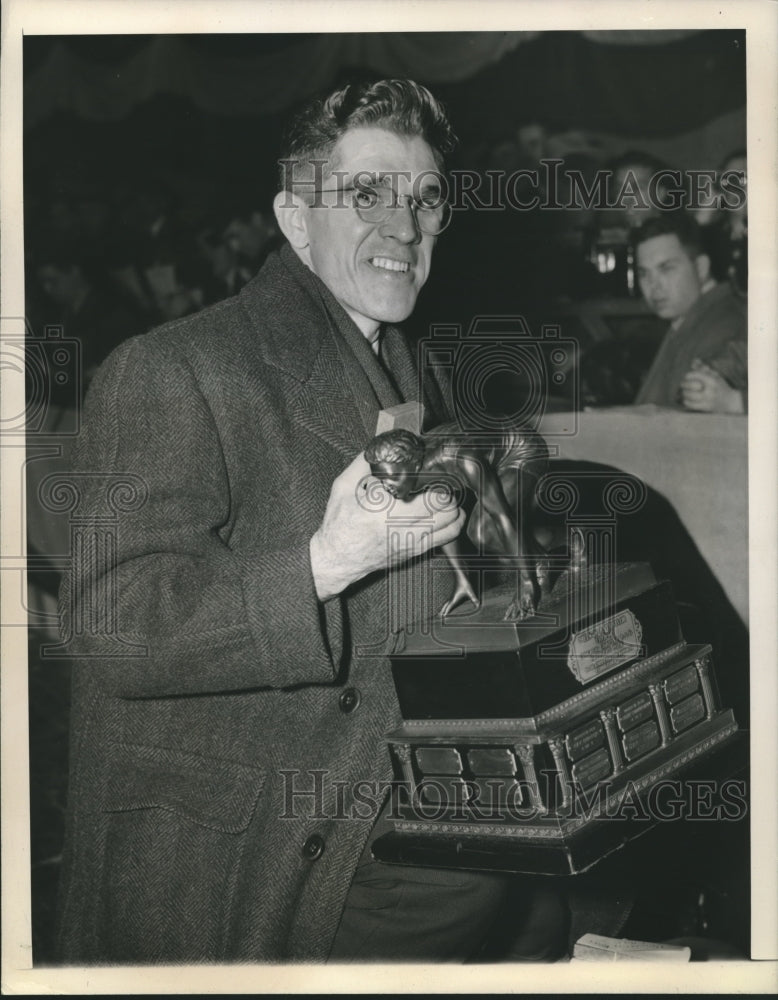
375 270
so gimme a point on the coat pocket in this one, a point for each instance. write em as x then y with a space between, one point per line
177 827
213 793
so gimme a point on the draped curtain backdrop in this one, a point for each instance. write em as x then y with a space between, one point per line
194 108
268 81
626 74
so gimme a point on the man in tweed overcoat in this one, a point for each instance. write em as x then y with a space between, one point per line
219 735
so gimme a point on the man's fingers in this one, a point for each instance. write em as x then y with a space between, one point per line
705 378
426 505
447 528
440 530
692 383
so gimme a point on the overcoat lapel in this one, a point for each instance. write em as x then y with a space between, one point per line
330 406
299 341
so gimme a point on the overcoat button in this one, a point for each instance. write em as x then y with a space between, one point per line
349 700
313 847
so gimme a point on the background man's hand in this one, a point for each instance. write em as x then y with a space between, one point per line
353 540
704 390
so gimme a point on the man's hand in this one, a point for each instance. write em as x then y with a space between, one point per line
704 390
354 537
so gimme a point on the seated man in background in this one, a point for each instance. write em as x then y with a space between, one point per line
92 310
701 363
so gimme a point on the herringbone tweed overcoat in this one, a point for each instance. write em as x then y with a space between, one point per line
188 822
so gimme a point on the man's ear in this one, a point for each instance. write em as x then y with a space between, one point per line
292 217
702 263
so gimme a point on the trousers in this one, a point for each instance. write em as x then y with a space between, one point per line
404 913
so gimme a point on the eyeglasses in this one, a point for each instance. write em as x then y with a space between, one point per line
374 205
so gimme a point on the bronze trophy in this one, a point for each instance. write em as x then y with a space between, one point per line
533 711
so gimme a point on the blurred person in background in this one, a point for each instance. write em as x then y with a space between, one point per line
726 223
155 254
701 363
636 182
252 234
234 250
78 296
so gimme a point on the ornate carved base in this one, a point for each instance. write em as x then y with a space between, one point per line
555 790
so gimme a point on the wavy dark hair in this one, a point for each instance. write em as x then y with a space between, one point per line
678 223
400 106
397 447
